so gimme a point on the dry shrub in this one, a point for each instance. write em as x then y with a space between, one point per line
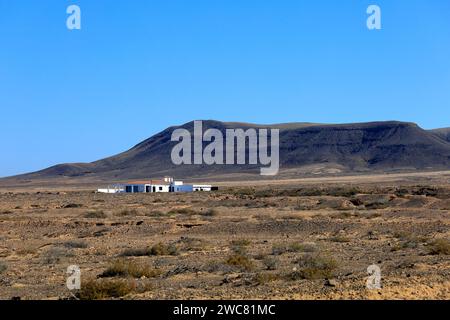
340 239
263 278
95 215
55 255
192 244
313 267
127 213
188 211
159 249
124 268
271 263
75 244
408 241
241 261
105 288
279 249
209 213
345 215
439 246
155 213
241 242
372 215
3 267
72 205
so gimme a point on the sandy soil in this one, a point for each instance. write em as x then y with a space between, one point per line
290 239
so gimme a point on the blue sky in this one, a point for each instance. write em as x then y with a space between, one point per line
137 67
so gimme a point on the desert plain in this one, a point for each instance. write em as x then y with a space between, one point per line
289 239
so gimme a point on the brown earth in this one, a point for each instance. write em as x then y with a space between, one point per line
290 239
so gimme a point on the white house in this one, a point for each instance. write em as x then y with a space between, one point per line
167 184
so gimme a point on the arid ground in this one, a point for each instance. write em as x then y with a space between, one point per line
291 239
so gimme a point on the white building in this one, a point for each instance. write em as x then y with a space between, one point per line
167 184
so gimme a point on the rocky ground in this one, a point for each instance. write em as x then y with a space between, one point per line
289 241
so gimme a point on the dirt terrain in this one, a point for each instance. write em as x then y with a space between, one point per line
292 239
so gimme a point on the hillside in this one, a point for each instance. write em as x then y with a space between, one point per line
380 146
443 133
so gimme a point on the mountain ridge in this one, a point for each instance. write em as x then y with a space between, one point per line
378 145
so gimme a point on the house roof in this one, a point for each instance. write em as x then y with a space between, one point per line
160 182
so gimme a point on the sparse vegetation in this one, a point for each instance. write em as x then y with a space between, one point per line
408 241
345 215
75 244
241 261
439 246
340 239
187 211
314 266
230 253
209 213
159 249
241 242
271 263
72 205
279 249
3 267
95 215
127 268
156 213
127 213
55 255
105 288
263 278
192 244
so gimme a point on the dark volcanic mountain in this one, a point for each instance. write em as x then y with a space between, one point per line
443 133
377 146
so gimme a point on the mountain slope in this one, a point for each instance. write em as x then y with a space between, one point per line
443 133
361 146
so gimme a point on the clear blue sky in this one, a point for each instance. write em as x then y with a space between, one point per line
139 66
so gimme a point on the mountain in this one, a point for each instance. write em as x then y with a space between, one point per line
443 133
380 146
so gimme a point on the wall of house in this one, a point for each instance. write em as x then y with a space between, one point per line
201 187
183 188
160 187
